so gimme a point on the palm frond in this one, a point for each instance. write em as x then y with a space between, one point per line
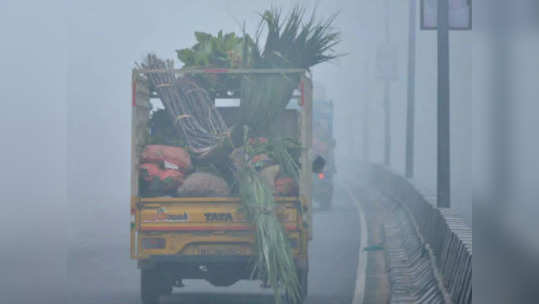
293 43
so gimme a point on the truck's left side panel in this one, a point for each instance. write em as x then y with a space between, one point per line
140 110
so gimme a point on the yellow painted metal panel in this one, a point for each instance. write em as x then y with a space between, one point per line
205 243
205 199
204 215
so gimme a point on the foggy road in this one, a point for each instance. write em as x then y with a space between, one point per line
100 271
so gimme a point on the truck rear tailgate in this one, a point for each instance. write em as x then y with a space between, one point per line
198 225
206 214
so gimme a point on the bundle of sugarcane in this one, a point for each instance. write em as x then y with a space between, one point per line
274 263
291 43
189 105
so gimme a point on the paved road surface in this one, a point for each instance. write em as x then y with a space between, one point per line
99 270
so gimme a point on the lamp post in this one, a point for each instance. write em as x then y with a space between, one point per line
410 106
444 165
387 102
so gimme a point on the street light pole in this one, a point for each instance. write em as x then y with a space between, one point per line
410 107
444 175
365 119
387 102
387 124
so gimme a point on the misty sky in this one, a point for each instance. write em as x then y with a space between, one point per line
66 71
65 91
69 63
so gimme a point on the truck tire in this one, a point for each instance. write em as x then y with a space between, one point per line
222 281
152 285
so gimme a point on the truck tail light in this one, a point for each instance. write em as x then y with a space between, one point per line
321 175
153 243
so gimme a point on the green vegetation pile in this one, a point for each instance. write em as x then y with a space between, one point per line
216 52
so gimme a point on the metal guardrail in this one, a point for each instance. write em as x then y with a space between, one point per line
440 231
412 277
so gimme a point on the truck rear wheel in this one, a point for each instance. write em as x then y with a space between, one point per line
222 281
153 284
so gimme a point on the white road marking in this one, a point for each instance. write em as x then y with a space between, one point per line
361 272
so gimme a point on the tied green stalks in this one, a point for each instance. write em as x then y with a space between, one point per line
284 151
264 97
291 42
274 263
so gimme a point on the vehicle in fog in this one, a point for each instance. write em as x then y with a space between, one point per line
323 145
175 238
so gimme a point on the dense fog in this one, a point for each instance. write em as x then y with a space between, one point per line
66 92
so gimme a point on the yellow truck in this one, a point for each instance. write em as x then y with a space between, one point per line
176 238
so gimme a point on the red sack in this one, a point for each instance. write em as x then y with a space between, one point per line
170 157
160 180
149 171
175 176
286 186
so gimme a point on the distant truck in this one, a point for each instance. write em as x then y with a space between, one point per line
324 146
176 238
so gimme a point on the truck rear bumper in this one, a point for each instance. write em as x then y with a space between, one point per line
155 260
184 261
218 270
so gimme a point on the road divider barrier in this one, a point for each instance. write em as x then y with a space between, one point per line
422 230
